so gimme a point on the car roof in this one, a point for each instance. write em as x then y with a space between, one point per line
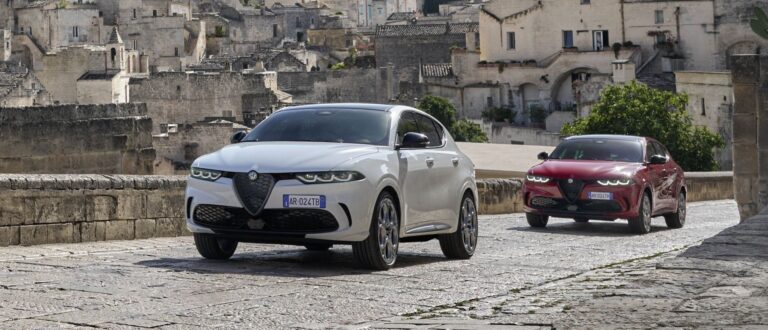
606 137
360 106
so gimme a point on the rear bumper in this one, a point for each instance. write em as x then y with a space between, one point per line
548 199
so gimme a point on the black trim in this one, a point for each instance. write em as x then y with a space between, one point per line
189 207
346 211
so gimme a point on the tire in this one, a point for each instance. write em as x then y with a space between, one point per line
642 223
536 220
211 247
318 247
677 220
581 220
462 243
379 250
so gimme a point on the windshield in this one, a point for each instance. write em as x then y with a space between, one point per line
599 149
324 125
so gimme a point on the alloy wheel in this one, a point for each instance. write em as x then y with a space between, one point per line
647 214
389 237
469 230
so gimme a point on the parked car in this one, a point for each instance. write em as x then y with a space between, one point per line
372 176
607 177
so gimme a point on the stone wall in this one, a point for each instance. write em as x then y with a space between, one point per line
708 186
179 149
182 98
508 134
104 139
354 85
42 209
750 132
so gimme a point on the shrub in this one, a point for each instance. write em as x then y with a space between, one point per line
637 109
462 130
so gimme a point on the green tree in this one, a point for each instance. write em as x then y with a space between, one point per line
443 111
759 23
439 108
467 131
637 109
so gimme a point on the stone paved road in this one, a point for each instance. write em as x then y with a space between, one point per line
163 283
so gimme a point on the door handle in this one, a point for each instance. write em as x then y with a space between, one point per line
455 161
430 162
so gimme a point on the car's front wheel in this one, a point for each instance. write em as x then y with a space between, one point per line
642 223
537 220
211 247
461 244
677 220
379 250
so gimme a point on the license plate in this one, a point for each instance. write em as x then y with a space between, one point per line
606 196
304 201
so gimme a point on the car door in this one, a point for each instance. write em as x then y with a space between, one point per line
444 185
413 175
654 176
667 186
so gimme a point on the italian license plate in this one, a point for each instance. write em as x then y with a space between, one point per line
304 201
605 196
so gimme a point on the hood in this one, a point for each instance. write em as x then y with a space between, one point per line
584 170
282 157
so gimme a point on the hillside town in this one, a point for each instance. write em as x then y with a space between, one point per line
551 164
206 68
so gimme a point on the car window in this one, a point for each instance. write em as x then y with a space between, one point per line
427 127
661 149
407 124
650 150
599 149
358 126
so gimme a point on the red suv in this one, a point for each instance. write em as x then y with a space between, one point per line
606 177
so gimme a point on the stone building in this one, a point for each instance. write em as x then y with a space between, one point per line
180 145
19 87
60 70
351 85
710 105
53 25
556 55
93 139
191 97
300 17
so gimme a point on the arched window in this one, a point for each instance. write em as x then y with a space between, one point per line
113 53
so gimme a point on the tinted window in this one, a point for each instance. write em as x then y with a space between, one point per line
661 149
427 127
650 150
599 149
324 125
407 124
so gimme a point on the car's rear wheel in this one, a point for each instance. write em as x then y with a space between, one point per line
581 220
677 220
642 223
318 247
211 247
461 244
537 220
379 250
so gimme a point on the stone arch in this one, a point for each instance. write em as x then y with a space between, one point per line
562 93
741 47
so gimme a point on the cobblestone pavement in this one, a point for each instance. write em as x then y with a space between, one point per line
516 279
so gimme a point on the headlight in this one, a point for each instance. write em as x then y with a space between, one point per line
329 177
537 179
203 174
619 182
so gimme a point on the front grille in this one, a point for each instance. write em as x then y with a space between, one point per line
286 221
253 194
559 204
571 190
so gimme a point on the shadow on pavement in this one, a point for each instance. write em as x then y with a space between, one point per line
617 228
287 262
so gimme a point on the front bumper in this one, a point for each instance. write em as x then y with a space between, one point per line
549 199
346 217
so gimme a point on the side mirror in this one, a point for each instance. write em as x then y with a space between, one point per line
658 160
237 137
543 156
413 140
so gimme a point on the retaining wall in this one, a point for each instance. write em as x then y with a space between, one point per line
41 209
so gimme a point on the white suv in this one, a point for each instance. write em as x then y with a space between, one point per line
367 175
